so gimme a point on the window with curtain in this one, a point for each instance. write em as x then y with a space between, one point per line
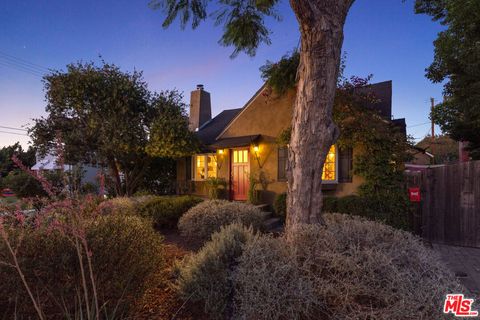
330 167
205 167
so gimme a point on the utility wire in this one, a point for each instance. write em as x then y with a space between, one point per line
18 68
12 128
8 60
24 62
19 134
418 125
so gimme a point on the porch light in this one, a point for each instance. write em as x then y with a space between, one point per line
220 151
256 156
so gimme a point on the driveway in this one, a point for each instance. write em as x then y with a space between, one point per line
464 262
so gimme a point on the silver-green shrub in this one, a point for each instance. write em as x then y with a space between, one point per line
350 269
206 275
201 221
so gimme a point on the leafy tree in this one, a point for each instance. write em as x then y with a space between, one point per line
321 26
6 153
109 117
457 60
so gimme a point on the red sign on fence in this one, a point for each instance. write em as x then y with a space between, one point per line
414 194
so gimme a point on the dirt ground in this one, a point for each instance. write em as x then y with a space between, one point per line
161 301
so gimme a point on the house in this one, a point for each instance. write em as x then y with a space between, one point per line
242 143
49 162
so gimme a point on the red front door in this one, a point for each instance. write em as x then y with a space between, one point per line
240 173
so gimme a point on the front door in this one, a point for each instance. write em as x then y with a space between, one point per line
240 173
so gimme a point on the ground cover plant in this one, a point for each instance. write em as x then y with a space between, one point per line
351 269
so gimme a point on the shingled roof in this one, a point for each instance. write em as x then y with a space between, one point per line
382 94
211 129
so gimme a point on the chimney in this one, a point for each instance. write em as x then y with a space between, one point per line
200 108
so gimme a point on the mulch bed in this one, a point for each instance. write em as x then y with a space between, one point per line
161 301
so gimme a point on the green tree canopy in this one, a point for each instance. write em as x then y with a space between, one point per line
106 116
6 153
457 61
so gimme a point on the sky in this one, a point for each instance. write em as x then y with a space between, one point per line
382 37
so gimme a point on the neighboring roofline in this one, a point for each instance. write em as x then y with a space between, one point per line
249 102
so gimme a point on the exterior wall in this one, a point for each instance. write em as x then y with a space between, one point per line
267 115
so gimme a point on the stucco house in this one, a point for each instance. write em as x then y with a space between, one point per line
238 143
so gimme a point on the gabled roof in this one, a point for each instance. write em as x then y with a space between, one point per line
382 91
382 94
208 132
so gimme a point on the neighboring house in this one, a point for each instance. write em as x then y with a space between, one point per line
49 162
441 150
238 143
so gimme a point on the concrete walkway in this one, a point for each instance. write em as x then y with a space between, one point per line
464 262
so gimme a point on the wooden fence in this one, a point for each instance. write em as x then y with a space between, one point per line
450 207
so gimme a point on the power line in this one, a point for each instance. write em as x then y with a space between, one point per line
24 62
8 60
19 134
18 68
12 128
418 125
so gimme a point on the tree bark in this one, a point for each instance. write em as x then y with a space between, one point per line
313 130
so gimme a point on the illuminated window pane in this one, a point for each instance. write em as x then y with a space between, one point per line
235 156
211 167
329 168
245 155
199 167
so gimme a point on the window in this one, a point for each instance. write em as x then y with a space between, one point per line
205 167
282 163
330 167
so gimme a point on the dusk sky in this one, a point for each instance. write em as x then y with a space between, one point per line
382 37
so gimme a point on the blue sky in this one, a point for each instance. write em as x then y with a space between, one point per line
382 37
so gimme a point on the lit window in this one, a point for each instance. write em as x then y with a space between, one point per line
205 167
211 166
200 168
330 166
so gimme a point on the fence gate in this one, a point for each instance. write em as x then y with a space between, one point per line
450 205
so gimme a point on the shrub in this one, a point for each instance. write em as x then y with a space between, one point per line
330 204
125 252
120 205
280 205
206 275
166 210
217 188
352 269
208 217
392 209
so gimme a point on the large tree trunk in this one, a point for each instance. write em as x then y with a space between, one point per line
313 131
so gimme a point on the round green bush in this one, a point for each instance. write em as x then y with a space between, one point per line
165 211
201 221
206 275
125 252
350 269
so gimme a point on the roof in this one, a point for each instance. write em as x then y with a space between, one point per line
208 132
236 141
382 94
